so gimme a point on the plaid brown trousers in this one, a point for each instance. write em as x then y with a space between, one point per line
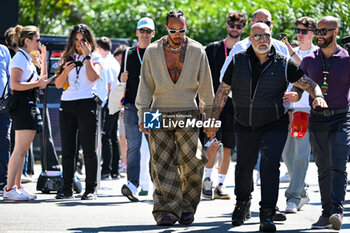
177 169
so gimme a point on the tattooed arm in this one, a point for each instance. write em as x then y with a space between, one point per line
218 105
220 99
307 84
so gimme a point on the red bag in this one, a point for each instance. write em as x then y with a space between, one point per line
299 124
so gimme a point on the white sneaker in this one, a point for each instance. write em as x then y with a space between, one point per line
291 207
303 201
258 180
29 195
15 195
285 178
26 179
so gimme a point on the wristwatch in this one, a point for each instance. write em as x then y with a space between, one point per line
321 96
88 57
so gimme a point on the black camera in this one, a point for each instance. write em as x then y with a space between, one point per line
77 63
346 41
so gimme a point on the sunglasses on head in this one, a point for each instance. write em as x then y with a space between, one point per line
257 37
148 31
80 28
323 31
268 23
238 26
303 31
173 31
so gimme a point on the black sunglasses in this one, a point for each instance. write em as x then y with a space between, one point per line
38 40
303 31
257 37
173 31
148 31
322 31
238 26
80 28
268 23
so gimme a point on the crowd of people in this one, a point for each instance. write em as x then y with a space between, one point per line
254 86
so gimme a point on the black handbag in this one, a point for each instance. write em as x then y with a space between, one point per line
7 103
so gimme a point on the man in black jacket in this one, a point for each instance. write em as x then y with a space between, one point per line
258 78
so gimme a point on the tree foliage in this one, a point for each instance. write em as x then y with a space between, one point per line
206 19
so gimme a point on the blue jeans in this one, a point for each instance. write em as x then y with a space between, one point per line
330 143
296 156
5 126
133 138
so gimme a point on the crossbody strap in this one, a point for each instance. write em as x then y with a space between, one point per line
28 61
3 93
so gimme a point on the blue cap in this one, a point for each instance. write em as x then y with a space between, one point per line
145 23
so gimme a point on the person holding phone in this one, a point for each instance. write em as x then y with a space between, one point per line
79 69
24 83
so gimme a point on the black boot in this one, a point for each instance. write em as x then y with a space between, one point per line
266 219
241 212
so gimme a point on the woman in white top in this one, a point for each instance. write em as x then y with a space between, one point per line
77 73
24 82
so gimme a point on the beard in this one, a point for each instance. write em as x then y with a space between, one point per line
175 43
233 36
326 42
262 51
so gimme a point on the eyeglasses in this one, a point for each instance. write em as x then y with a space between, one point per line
268 23
80 28
303 31
37 40
148 31
173 31
257 37
238 26
323 31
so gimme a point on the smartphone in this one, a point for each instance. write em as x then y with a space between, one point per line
283 36
52 78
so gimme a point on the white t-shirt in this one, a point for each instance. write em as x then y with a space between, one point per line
24 62
80 87
109 74
303 104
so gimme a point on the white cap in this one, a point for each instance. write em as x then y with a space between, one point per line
145 23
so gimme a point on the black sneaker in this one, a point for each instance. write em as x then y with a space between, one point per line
105 176
241 212
62 195
88 196
322 223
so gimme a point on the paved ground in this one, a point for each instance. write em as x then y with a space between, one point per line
112 212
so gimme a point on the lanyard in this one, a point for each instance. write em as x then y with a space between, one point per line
138 54
325 71
225 48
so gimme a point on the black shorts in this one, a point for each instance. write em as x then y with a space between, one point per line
24 115
226 133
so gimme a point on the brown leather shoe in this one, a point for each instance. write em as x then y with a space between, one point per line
186 218
165 221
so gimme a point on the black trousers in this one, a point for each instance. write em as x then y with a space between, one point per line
270 140
110 143
330 143
78 115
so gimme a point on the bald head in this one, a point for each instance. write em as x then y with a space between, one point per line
259 27
260 12
329 21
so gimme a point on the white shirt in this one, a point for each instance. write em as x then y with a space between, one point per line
109 74
80 87
24 62
303 104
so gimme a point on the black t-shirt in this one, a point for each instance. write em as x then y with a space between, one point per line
133 67
294 72
216 57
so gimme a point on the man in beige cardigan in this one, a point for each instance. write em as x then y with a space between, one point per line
174 70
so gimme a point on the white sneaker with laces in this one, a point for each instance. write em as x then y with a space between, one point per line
29 195
291 207
303 201
14 195
285 178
